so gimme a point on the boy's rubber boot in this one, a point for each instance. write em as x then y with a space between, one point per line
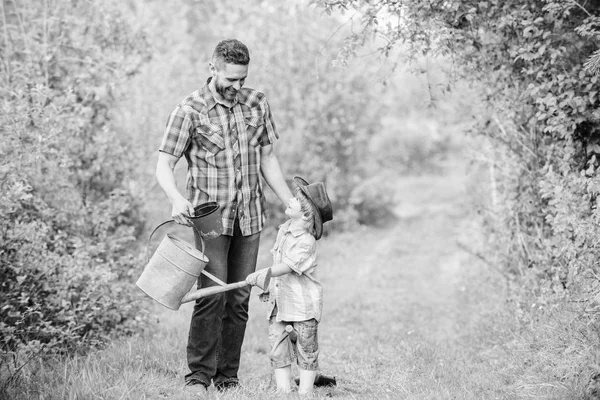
321 381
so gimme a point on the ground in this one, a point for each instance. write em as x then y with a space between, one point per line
405 305
409 313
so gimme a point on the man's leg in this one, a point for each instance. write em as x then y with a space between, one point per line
206 323
243 253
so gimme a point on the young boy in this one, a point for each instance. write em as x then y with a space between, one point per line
295 295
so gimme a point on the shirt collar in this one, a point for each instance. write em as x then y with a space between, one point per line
210 100
297 231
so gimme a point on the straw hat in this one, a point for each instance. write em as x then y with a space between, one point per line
319 201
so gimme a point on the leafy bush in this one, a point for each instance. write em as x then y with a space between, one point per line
68 215
374 200
529 61
62 288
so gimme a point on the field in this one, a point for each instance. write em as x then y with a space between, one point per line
409 314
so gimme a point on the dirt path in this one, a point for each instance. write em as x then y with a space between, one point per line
405 303
405 307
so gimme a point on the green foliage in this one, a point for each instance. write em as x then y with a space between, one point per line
530 59
68 216
536 64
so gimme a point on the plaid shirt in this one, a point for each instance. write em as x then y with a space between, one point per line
222 148
298 296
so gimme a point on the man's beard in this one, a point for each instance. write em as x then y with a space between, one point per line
225 92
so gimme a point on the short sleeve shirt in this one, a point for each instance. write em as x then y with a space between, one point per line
222 147
297 295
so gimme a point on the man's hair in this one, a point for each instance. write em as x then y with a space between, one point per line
231 51
308 211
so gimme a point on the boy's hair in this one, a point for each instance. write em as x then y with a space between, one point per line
308 211
231 51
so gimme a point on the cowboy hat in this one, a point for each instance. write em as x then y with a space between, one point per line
318 200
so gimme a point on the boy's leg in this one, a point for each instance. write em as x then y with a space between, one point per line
282 353
307 381
283 377
307 346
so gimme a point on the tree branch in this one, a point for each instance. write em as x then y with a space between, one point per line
6 43
581 7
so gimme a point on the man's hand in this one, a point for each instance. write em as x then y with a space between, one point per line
181 210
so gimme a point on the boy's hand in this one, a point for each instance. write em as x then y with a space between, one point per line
260 278
253 278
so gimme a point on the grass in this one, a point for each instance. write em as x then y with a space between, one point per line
408 315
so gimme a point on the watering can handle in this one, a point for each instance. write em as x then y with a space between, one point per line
292 333
162 224
263 283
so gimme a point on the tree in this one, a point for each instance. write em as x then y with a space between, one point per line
67 214
530 56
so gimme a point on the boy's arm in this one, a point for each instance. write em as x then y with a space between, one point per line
276 270
280 269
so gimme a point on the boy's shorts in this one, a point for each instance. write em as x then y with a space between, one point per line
306 349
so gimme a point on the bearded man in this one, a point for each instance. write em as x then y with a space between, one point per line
226 133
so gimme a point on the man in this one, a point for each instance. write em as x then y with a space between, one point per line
226 133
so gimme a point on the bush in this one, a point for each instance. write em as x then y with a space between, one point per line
64 285
68 215
374 200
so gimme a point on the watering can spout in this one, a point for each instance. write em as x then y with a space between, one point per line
262 282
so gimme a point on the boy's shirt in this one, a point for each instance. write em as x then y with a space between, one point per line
297 295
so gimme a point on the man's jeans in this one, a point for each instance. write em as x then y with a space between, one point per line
219 321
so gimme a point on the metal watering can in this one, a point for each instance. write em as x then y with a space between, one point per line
176 265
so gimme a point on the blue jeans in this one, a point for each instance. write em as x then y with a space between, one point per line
219 321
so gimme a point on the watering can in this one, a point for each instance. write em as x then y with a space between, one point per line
206 220
175 266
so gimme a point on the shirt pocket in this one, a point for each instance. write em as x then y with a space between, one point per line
255 125
210 136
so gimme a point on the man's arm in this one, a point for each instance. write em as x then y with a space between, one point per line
271 171
166 179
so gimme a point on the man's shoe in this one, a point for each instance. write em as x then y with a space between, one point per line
196 389
228 384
